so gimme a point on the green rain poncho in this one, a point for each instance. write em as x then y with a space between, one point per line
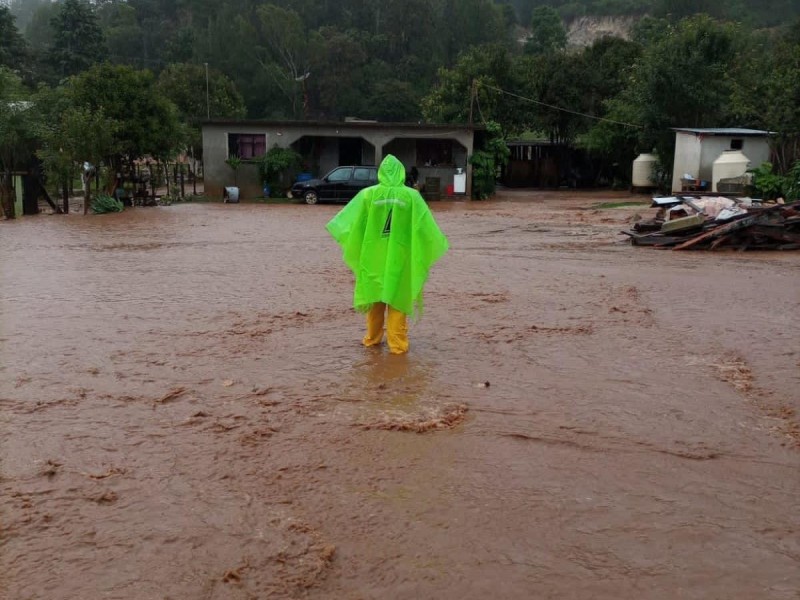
389 240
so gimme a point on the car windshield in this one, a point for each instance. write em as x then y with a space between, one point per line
342 174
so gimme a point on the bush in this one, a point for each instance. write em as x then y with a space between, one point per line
769 185
487 161
278 168
106 204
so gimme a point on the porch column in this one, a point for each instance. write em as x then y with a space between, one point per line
468 141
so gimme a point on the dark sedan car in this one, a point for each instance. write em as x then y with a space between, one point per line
340 185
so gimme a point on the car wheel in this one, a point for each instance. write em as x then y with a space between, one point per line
311 197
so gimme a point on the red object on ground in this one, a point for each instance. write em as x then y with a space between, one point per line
450 190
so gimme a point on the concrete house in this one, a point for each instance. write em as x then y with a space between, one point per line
438 151
696 150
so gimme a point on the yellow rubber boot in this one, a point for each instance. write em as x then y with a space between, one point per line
375 325
397 332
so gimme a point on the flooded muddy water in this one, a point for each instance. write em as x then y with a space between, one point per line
186 412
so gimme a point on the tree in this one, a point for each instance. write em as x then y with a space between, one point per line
467 89
122 32
149 124
393 100
69 136
560 83
682 80
338 80
488 160
13 48
469 23
185 86
766 93
17 134
548 34
78 41
283 52
23 11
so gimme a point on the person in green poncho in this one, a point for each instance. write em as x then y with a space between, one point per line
390 241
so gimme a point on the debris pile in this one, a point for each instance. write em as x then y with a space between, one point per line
708 223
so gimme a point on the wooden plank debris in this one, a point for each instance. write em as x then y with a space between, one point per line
767 227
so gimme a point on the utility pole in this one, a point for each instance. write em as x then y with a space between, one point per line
472 99
208 104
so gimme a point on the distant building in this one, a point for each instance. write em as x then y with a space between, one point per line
697 149
436 150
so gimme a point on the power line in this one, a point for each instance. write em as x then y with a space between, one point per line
566 110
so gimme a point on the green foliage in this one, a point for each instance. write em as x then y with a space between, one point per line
770 185
78 41
148 122
71 135
487 161
103 203
766 92
278 167
17 122
284 52
393 100
17 133
548 34
185 86
13 47
681 80
451 100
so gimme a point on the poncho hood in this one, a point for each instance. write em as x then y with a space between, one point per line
389 241
391 172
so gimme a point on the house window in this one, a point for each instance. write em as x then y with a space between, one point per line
737 144
247 145
434 153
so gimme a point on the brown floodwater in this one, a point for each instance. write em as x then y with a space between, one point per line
186 412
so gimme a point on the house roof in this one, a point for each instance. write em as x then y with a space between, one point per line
347 124
727 131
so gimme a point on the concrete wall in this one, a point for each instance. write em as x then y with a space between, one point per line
696 155
377 139
754 148
687 158
217 174
19 192
404 149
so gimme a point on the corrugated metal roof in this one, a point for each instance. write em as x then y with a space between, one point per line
723 131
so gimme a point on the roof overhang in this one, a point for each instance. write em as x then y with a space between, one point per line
352 125
724 131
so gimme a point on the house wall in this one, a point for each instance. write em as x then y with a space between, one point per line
217 174
687 158
404 149
696 154
377 141
754 148
18 194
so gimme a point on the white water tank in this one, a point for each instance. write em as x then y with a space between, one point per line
731 163
644 171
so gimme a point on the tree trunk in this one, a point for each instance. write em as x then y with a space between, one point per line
65 196
87 193
6 196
